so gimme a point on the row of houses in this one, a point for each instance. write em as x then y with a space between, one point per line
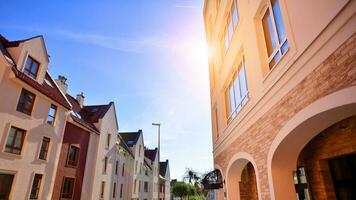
53 146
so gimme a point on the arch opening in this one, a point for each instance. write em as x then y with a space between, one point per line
242 181
286 158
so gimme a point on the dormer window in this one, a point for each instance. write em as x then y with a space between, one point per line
31 67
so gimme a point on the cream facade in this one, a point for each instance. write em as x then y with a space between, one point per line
282 72
22 160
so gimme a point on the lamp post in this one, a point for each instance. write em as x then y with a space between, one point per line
159 150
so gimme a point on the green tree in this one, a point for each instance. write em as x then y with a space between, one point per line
180 189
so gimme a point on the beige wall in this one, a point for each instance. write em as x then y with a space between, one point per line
315 30
106 125
24 166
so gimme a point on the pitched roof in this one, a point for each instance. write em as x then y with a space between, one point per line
151 154
130 138
163 168
49 88
88 115
124 145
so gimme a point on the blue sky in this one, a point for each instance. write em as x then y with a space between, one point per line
148 56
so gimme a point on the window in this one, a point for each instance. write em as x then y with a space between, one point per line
116 167
5 185
44 148
135 184
232 21
52 115
31 67
237 93
102 189
275 33
73 154
108 141
15 140
123 169
136 166
139 186
105 164
26 102
114 191
145 186
121 190
139 150
67 188
36 185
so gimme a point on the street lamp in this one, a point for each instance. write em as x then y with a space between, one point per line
159 149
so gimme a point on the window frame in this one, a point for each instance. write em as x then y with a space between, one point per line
278 48
229 20
108 140
28 72
114 190
21 107
38 189
47 149
77 156
54 118
72 189
102 190
231 114
13 176
105 168
12 147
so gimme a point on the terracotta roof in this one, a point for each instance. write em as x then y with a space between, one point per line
15 43
130 138
151 154
163 168
48 87
50 90
87 115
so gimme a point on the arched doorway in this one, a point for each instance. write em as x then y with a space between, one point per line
242 180
297 134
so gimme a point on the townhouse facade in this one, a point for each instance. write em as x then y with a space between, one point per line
283 97
147 181
33 112
53 146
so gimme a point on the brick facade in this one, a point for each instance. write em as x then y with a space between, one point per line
336 72
337 140
248 189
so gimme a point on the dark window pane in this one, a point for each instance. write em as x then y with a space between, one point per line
44 148
67 188
25 103
5 185
31 67
36 186
15 140
73 154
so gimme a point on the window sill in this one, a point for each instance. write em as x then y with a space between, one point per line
14 155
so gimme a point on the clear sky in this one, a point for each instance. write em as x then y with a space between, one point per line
148 56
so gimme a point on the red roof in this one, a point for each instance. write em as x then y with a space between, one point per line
88 115
50 90
151 154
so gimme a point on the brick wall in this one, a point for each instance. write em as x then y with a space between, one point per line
337 72
247 185
335 141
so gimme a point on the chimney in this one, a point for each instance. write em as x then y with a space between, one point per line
61 82
80 99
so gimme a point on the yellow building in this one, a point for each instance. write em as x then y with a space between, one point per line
283 97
